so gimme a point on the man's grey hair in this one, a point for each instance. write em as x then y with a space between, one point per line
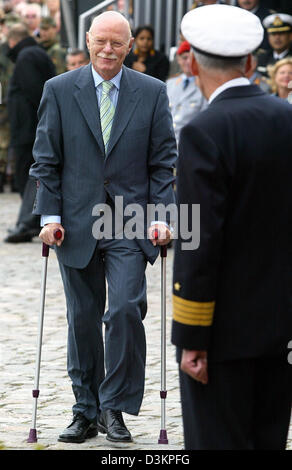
225 63
18 32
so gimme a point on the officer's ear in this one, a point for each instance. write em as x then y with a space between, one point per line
194 65
248 65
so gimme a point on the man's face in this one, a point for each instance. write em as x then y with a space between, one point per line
279 42
47 34
184 62
76 61
12 43
248 4
108 41
31 19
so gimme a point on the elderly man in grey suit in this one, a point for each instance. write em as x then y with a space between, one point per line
104 131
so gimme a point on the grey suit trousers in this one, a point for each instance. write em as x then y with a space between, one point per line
120 385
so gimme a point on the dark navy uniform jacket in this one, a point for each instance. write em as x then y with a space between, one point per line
233 295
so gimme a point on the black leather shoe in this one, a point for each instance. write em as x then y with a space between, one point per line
2 181
33 232
19 235
112 424
79 430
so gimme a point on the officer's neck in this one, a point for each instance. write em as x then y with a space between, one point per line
209 81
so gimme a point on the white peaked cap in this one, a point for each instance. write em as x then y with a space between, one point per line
222 30
278 22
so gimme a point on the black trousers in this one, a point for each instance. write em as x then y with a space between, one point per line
25 216
23 161
246 405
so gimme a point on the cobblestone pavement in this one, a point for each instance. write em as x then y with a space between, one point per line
20 276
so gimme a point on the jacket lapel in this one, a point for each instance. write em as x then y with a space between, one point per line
85 95
129 97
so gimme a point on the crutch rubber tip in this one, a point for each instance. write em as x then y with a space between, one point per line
32 436
163 437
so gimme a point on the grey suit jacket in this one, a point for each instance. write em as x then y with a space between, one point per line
71 167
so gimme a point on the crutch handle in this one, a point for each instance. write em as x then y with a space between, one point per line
46 249
156 234
163 248
58 234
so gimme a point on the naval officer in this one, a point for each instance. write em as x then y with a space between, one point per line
232 319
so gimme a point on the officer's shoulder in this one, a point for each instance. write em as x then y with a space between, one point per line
174 81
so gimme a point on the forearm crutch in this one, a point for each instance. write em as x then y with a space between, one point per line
163 392
35 393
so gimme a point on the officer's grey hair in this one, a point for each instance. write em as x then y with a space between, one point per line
218 63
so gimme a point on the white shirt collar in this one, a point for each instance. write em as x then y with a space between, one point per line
281 55
185 77
241 81
116 80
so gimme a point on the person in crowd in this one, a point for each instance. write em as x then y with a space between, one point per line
281 77
76 58
53 7
255 77
232 298
144 58
261 11
6 69
20 9
104 131
185 97
50 43
32 18
174 68
54 10
279 29
32 68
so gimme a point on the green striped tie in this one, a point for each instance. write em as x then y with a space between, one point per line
107 112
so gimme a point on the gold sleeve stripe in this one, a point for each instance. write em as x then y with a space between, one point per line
194 313
199 316
193 303
194 309
181 320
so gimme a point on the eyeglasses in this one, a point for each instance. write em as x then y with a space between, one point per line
30 16
102 43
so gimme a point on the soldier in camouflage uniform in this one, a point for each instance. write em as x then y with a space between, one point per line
6 69
49 41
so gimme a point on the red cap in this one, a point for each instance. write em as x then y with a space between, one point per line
184 47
